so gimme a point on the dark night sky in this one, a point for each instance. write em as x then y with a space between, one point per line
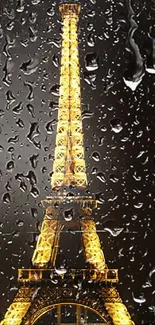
119 138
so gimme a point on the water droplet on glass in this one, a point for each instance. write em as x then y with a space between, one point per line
34 161
55 60
91 62
139 300
101 177
68 215
32 34
55 90
114 232
10 97
33 17
34 192
34 213
116 125
13 140
30 108
96 156
60 271
6 198
20 123
113 178
49 126
91 40
138 205
51 11
35 2
18 108
10 165
30 66
20 6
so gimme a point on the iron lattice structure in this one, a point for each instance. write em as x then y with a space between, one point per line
37 294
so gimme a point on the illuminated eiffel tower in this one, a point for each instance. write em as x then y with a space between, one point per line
42 288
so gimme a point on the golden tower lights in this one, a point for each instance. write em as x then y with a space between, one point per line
37 294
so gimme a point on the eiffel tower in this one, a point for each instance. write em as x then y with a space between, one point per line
43 288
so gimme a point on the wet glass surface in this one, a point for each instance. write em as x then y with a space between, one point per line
116 41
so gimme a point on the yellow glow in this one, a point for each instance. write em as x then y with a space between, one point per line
68 169
91 242
43 252
119 314
69 161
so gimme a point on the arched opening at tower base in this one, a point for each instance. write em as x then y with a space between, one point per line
69 314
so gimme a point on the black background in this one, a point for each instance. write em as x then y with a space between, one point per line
119 140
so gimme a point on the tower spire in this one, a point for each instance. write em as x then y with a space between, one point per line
69 163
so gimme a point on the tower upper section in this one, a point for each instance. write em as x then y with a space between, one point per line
69 167
69 9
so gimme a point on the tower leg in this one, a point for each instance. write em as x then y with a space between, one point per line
19 307
44 248
91 242
115 307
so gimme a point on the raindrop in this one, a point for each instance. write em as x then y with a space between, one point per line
33 17
10 166
1 112
20 6
7 72
30 95
31 177
87 114
23 186
132 84
30 108
114 232
96 156
150 54
55 90
32 34
34 192
90 79
139 300
33 132
10 97
10 25
91 62
18 108
51 11
116 125
20 223
152 272
34 213
30 66
10 13
34 161
13 140
8 186
35 2
49 126
138 205
91 40
6 198
136 69
68 215
113 178
20 123
60 271
101 177
55 60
